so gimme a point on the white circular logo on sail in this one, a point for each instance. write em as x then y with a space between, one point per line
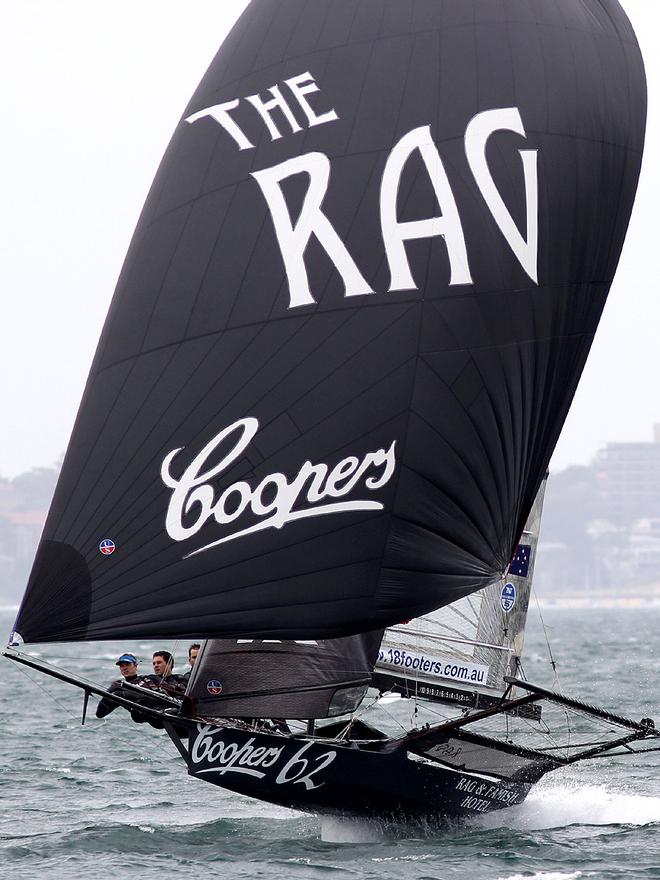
508 597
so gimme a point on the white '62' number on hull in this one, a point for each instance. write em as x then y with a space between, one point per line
295 770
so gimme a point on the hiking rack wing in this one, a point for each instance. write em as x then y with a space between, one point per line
89 688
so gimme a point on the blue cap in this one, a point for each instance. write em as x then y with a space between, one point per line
127 658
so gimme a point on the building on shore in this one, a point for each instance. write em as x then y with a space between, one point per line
601 523
628 476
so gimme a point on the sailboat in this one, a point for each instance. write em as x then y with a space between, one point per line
315 433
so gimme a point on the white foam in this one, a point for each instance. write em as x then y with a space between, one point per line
339 830
556 805
410 858
544 875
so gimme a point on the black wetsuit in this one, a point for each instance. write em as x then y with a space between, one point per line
170 683
106 706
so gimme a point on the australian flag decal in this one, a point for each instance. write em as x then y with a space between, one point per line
520 562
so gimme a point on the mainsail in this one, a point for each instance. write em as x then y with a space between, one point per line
350 323
467 648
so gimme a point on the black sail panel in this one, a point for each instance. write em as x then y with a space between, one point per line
282 679
350 322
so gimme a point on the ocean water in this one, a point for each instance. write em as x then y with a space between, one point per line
112 799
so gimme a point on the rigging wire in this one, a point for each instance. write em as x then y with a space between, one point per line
363 708
166 746
57 702
553 662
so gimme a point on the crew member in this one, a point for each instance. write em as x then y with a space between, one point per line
163 677
128 666
193 651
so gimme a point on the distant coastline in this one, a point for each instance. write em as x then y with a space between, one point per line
627 597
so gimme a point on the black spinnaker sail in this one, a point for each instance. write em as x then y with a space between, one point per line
350 323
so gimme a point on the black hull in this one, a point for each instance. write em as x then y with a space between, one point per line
438 773
341 779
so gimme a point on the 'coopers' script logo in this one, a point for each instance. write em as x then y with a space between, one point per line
274 501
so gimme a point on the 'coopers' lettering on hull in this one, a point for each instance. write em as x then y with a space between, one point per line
275 501
229 757
211 754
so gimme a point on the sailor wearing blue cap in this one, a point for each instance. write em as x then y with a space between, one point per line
127 659
128 664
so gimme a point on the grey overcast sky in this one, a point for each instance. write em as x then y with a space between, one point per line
90 95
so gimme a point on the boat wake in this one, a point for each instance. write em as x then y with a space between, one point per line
557 805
